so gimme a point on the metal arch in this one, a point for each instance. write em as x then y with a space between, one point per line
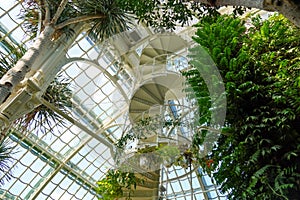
94 63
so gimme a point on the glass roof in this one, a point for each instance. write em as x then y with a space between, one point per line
64 162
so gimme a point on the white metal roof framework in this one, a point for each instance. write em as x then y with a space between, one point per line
66 162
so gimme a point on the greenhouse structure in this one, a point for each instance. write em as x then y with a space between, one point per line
121 109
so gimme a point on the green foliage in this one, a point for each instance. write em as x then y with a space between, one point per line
115 182
162 15
169 14
114 19
10 52
43 118
145 127
196 88
158 14
258 157
123 141
6 159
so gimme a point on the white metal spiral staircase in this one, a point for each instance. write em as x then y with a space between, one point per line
158 83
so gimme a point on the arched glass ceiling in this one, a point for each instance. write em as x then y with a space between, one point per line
64 162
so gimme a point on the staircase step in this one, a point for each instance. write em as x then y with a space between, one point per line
145 98
162 44
145 101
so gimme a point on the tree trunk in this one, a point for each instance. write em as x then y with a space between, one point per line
16 74
289 8
39 65
54 58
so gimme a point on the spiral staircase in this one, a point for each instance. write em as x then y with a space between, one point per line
158 83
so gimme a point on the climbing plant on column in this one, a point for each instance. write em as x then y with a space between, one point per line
257 158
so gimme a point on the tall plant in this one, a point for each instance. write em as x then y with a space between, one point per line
56 20
257 158
55 25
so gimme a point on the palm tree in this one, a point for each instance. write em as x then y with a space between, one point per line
104 19
55 25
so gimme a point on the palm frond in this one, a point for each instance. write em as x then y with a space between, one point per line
42 118
6 159
116 20
31 13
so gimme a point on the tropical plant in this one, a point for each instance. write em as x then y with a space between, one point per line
56 25
165 13
6 159
258 157
114 183
55 21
